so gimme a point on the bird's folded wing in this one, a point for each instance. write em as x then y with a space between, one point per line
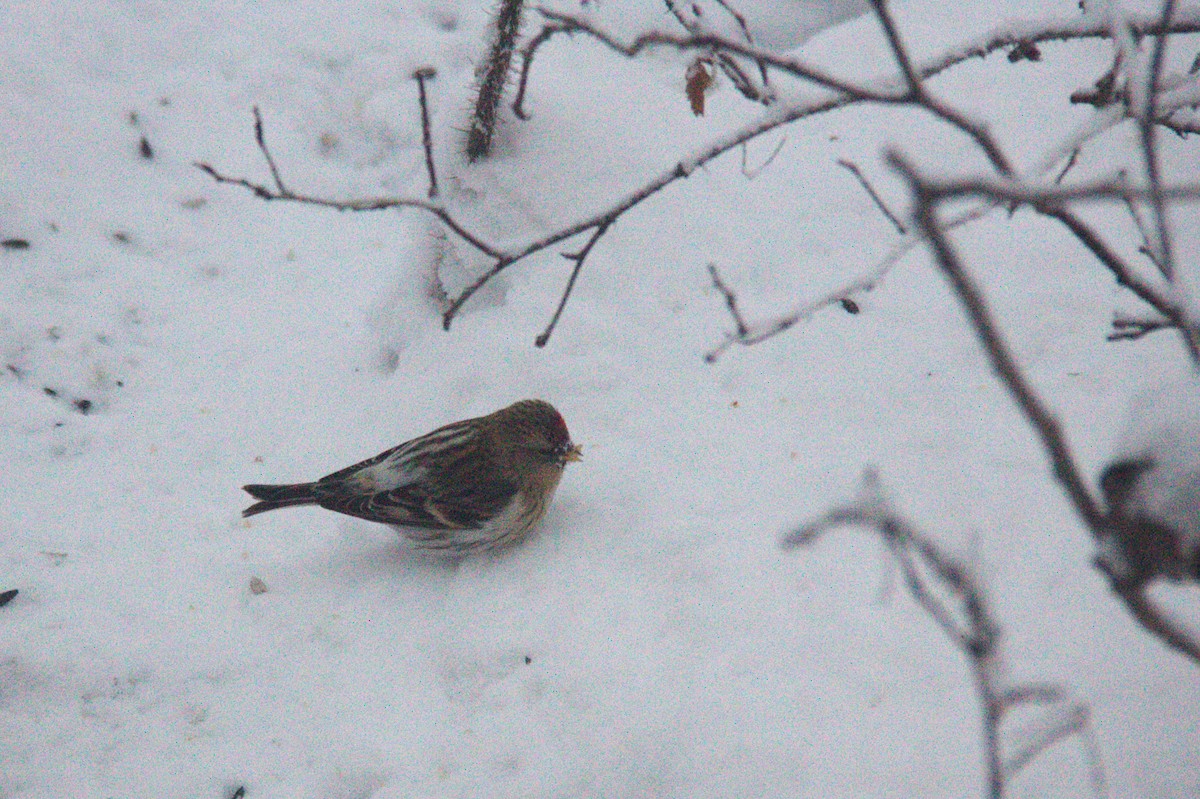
413 505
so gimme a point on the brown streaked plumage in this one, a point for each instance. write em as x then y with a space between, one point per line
477 484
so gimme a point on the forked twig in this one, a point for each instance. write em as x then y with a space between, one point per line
578 257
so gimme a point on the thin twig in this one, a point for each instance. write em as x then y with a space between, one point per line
870 190
527 54
751 174
578 257
364 204
262 145
757 332
730 300
1071 160
421 75
1146 124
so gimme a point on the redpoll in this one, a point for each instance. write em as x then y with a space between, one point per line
1152 488
472 485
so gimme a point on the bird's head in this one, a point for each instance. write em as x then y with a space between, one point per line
534 430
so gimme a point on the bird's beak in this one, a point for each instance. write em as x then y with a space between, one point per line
574 453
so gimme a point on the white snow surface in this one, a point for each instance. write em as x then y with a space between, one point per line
651 640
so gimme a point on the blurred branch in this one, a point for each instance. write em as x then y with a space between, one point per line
1151 617
1131 591
1127 328
1145 114
1002 361
950 595
1050 200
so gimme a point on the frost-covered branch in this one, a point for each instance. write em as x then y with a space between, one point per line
831 92
950 595
750 332
493 77
1052 201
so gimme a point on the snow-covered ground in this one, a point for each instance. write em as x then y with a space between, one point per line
165 340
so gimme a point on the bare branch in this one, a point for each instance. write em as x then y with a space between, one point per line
1131 591
262 146
853 169
527 54
570 23
421 75
1049 200
918 96
1146 249
916 91
1127 328
1071 160
281 192
730 300
759 331
578 258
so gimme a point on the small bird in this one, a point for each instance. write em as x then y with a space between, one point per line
1151 527
473 485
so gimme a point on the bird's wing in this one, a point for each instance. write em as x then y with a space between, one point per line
436 482
456 507
415 505
406 459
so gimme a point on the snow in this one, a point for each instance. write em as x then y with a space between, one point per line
651 640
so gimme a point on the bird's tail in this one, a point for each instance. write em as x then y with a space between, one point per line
275 497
